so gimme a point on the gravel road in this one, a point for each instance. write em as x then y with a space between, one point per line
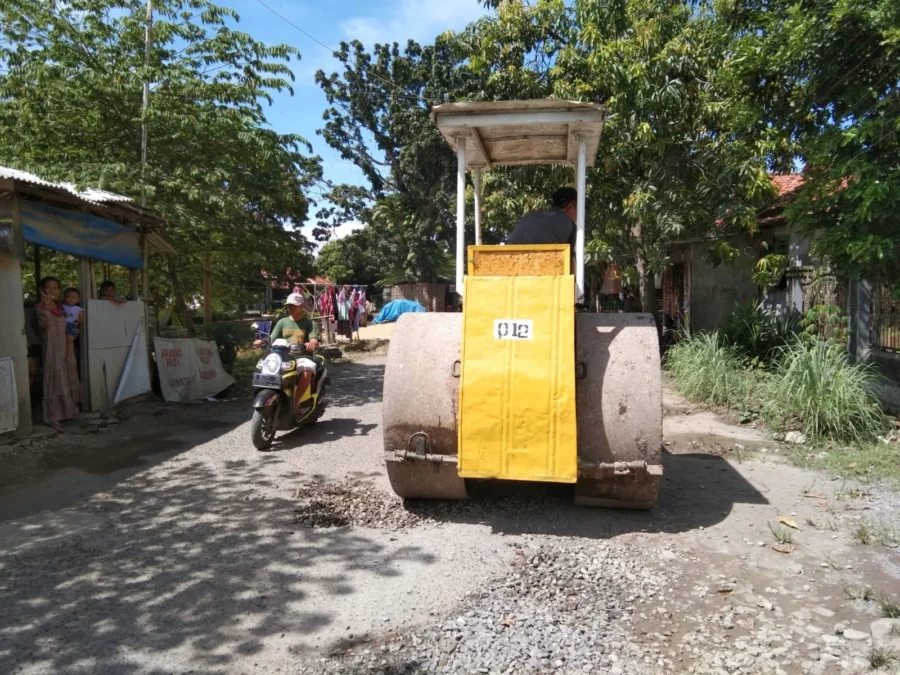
168 545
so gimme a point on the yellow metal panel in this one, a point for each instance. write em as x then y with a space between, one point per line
517 396
520 260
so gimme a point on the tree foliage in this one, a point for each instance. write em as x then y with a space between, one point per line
824 75
673 159
71 79
379 120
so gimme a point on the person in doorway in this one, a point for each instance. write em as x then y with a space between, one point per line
60 394
555 225
298 329
108 292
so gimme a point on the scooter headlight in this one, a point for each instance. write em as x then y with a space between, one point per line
272 365
259 364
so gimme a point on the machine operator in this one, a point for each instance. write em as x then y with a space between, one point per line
555 225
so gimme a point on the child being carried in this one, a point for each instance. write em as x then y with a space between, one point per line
74 318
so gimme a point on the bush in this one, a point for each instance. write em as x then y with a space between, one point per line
757 332
817 388
226 337
706 370
826 323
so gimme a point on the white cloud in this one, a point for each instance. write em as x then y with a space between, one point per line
419 20
340 232
345 229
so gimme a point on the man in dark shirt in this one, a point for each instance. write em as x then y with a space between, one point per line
553 226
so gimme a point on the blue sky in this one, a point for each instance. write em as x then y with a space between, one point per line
331 22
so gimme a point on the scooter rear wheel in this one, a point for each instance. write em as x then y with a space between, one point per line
262 427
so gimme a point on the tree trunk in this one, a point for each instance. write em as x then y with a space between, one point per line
181 306
646 280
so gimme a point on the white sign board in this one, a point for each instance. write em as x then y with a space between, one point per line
9 401
111 331
513 329
189 369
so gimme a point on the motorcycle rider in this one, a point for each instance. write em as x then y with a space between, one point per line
298 329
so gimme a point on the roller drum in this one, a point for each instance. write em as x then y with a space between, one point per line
619 410
421 407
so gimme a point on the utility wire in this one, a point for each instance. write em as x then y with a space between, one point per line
337 54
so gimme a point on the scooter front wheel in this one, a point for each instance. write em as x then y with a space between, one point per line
262 427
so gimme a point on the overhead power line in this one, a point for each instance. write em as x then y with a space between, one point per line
336 53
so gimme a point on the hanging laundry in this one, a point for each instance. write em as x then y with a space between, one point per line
344 303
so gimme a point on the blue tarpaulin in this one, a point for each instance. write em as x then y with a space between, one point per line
81 234
392 311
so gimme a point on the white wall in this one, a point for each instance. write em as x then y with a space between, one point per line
12 332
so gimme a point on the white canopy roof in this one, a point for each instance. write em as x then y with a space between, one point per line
521 132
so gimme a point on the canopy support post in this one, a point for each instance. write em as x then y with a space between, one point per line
460 212
579 223
476 178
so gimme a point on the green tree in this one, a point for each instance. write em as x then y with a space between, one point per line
71 77
824 75
675 160
379 120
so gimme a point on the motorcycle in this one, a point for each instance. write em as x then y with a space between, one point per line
277 405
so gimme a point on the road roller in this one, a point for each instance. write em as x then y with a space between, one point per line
523 385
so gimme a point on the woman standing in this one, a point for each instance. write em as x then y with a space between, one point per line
60 373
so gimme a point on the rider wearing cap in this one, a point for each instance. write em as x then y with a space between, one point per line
298 329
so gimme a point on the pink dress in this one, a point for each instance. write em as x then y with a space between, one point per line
61 388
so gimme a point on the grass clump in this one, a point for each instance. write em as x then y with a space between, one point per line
889 606
706 370
875 460
782 534
860 593
817 388
757 332
881 658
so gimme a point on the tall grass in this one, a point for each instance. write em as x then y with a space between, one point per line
706 370
757 332
817 388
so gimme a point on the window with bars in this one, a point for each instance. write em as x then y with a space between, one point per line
885 319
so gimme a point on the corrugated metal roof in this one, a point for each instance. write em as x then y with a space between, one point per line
91 195
158 244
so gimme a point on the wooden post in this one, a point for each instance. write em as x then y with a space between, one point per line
37 271
86 282
180 305
13 342
207 293
145 280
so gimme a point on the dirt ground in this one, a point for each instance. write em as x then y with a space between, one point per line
375 331
166 543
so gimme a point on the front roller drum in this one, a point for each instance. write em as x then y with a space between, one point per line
420 407
619 410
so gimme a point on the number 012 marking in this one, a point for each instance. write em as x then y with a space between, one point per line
513 329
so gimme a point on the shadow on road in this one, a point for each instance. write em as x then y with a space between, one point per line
325 431
192 561
697 491
355 384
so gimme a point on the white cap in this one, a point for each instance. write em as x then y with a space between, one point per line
295 299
